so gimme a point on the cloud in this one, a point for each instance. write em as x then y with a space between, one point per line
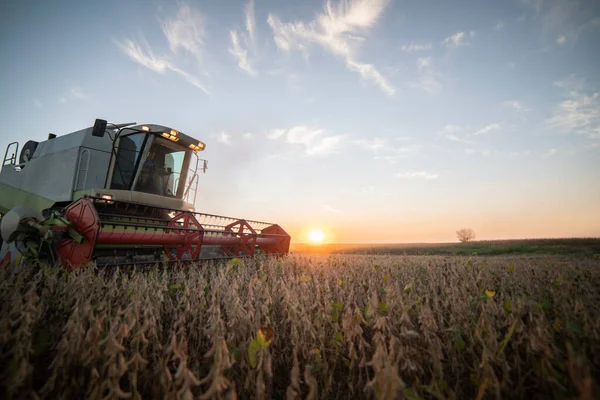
550 153
316 141
514 104
458 39
331 209
37 103
483 152
77 93
340 30
247 135
579 113
224 137
428 83
147 58
428 79
240 49
563 20
452 132
250 19
519 153
418 174
185 31
414 47
571 83
423 62
499 25
374 144
487 129
240 54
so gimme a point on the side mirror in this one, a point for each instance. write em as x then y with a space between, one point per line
99 128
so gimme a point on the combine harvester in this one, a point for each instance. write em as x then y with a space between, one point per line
117 194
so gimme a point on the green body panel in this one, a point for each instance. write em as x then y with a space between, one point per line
11 197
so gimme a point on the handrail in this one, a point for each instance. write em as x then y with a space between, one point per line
13 159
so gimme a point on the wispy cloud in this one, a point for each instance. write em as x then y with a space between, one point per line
454 133
471 151
374 144
223 137
415 47
514 104
331 209
423 62
487 129
579 113
240 54
146 57
248 135
550 153
417 174
499 25
459 39
562 20
315 141
240 49
519 153
73 93
250 19
428 78
77 92
339 29
185 31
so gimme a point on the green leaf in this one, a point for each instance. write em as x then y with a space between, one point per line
346 362
546 305
459 342
253 350
383 308
234 261
336 308
338 339
507 306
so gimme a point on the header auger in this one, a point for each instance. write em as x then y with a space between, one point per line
115 195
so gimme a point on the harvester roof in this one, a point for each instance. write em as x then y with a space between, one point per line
171 134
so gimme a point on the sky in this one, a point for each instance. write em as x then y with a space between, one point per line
372 120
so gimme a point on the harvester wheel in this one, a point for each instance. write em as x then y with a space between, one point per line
27 151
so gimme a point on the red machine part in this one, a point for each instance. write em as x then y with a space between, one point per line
241 237
190 239
279 244
84 220
182 237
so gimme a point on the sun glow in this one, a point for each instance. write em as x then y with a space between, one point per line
316 236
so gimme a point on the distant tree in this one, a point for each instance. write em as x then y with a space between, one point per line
465 235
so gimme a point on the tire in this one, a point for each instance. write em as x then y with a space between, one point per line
27 151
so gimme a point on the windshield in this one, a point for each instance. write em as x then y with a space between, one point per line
164 169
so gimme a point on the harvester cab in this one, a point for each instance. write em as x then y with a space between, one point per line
117 194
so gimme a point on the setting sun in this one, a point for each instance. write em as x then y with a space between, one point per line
316 236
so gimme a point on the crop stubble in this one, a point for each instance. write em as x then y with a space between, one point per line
306 327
